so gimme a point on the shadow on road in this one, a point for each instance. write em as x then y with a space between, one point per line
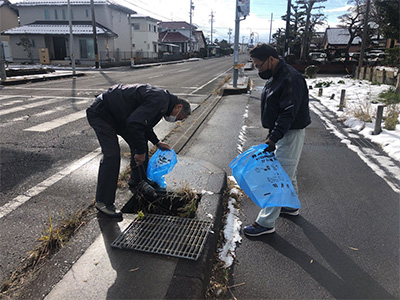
349 281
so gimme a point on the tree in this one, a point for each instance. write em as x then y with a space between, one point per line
388 17
353 21
27 45
311 21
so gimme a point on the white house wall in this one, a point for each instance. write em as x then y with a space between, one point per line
143 39
115 20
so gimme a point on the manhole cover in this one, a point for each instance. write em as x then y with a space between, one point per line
168 235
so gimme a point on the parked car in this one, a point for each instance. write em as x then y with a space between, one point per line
317 56
376 58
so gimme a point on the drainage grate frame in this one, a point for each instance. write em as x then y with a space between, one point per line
168 235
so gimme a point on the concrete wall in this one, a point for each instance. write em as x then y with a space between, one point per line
377 74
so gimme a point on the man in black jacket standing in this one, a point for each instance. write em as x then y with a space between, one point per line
285 113
130 111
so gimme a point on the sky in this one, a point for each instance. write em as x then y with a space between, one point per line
223 11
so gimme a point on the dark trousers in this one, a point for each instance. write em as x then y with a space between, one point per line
110 163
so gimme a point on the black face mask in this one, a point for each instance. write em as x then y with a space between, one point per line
267 74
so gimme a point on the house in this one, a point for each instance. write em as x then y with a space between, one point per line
201 42
144 36
336 39
179 33
44 25
175 38
8 19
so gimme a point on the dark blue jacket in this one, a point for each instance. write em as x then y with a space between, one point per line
284 102
133 110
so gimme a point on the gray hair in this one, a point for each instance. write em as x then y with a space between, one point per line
185 106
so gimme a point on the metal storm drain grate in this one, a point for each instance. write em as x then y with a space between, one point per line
169 235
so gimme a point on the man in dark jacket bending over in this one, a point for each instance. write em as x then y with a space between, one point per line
285 113
130 111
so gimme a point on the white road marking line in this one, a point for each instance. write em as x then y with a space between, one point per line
36 190
25 106
58 122
199 88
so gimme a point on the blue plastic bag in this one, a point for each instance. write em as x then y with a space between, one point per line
161 163
260 175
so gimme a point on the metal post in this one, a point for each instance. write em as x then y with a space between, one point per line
342 100
71 40
378 122
236 47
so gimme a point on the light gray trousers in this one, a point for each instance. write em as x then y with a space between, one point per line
288 151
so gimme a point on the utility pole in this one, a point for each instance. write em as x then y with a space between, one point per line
364 39
96 50
190 30
289 4
71 40
212 29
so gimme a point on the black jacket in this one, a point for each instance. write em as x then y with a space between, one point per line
133 110
284 102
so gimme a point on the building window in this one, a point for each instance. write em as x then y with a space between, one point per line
64 15
55 14
155 28
133 45
72 14
136 26
46 14
149 27
87 48
87 13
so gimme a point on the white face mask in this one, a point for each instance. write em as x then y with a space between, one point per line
170 118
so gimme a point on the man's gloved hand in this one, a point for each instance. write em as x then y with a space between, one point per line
271 145
139 159
162 145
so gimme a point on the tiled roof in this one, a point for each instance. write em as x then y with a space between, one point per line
59 27
172 37
340 36
176 25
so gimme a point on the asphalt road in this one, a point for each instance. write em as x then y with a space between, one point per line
44 135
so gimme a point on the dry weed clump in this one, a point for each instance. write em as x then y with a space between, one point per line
51 241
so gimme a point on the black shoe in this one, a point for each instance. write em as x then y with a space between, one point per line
290 212
109 210
157 187
145 189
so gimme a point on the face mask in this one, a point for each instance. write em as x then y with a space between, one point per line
267 74
170 118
